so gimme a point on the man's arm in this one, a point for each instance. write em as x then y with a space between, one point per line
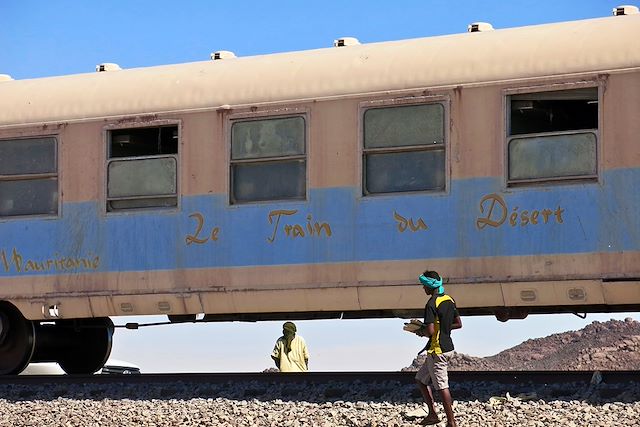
275 354
457 323
305 354
431 329
427 330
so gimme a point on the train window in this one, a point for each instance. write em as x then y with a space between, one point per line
553 136
268 159
28 177
142 168
404 149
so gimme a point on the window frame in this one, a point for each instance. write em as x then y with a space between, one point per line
106 132
553 87
405 101
284 113
26 177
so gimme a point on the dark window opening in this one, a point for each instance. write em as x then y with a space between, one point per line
144 141
554 111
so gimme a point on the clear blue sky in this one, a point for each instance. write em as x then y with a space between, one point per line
47 38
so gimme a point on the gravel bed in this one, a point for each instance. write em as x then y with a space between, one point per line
331 404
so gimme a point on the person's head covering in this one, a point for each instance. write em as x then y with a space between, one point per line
431 282
289 332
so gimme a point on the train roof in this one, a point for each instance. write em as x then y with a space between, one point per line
585 46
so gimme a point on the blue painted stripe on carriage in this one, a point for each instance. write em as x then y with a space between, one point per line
595 217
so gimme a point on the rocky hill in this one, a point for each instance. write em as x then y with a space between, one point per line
612 345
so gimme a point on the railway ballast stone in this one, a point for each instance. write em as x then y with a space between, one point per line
477 404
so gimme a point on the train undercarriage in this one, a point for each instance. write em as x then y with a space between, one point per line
82 346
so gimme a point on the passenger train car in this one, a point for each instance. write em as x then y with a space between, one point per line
320 184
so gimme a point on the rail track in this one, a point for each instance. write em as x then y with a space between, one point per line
502 377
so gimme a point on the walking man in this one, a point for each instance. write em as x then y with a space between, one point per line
440 318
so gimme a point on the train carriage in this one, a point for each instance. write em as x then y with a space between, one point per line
319 184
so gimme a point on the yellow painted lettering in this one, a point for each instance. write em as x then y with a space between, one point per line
298 231
420 226
193 238
489 219
309 227
17 260
558 214
33 266
277 214
402 221
214 233
323 227
534 217
513 218
5 262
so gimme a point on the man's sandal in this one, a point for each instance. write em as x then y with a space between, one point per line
430 421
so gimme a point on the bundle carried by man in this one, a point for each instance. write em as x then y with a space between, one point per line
413 326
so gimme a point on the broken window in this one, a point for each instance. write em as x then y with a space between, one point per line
268 160
404 149
553 135
142 169
28 177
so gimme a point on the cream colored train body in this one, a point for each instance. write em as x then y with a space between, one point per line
322 183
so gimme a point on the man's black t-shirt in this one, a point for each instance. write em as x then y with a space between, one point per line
441 311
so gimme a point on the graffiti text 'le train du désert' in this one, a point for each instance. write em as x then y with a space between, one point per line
495 212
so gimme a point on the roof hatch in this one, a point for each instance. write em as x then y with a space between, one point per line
478 27
346 41
222 54
625 9
107 66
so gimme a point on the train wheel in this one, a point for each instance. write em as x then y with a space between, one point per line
90 346
16 340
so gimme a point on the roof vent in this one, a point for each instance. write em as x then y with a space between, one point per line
346 41
5 77
107 66
222 54
478 27
625 10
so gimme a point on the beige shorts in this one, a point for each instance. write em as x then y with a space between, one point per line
434 370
